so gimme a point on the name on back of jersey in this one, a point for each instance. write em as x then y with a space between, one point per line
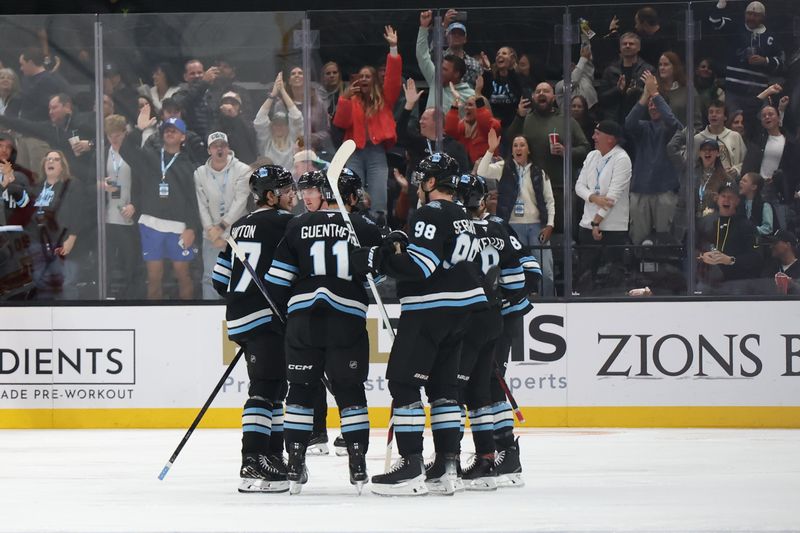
325 231
463 226
246 231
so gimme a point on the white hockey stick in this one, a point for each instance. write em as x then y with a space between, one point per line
333 173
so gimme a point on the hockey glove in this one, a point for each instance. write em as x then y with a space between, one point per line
365 260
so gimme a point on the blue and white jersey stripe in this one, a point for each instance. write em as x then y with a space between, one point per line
503 415
530 264
345 305
445 417
354 419
281 273
442 299
222 271
299 418
509 308
248 322
408 420
512 278
482 419
425 259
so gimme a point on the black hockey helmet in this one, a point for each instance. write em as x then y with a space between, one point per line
440 166
313 179
471 190
269 178
350 183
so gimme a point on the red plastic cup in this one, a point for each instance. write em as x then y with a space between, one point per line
782 282
554 138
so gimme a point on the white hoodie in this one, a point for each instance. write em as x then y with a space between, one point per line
230 184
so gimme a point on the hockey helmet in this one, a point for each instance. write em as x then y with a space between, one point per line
350 183
313 179
269 178
471 190
440 166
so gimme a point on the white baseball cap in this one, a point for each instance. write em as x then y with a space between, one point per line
217 136
755 7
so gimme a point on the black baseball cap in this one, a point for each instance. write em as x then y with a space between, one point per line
609 127
783 235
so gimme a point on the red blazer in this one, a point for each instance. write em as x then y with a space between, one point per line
476 146
350 115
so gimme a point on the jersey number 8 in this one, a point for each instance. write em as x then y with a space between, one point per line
428 230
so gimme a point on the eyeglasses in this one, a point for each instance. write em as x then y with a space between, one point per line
53 159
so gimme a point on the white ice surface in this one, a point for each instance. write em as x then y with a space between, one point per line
577 480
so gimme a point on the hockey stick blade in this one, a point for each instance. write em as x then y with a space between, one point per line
199 416
260 284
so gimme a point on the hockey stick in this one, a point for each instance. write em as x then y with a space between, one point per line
260 284
507 391
199 416
333 173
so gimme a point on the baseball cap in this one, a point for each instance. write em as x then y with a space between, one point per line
217 136
710 143
176 123
109 69
609 127
456 26
783 235
231 95
280 116
755 7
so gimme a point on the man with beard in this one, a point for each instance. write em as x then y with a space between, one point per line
622 85
538 124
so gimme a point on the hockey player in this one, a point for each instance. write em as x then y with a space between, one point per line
438 289
502 263
326 328
251 324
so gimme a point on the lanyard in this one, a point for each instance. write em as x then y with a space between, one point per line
116 163
727 229
430 148
599 171
221 188
164 169
520 175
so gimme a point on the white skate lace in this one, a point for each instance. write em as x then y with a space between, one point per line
266 465
501 455
398 465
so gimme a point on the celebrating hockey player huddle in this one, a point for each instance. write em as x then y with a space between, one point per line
462 281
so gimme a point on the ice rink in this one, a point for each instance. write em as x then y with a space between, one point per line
577 480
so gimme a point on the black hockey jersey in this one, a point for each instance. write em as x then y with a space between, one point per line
519 273
312 263
437 272
258 235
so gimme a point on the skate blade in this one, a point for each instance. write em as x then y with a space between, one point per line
295 487
460 485
481 484
250 485
444 486
412 487
515 480
319 449
341 452
360 486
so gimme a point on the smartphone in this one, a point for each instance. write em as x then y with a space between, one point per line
461 16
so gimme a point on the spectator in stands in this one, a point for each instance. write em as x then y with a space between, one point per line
655 183
123 249
317 112
165 85
276 130
732 149
501 84
776 158
241 134
169 218
194 146
421 144
195 98
365 115
736 123
525 199
225 83
72 133
603 184
579 109
707 84
222 187
672 86
453 67
123 95
785 267
472 130
456 35
108 106
60 225
582 83
333 85
37 89
648 27
15 183
530 72
728 247
753 206
153 128
542 125
754 55
10 97
622 82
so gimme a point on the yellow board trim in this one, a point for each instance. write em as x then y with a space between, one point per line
635 417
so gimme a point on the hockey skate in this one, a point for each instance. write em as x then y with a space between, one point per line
259 474
318 444
508 468
340 446
297 473
406 478
441 477
479 475
358 466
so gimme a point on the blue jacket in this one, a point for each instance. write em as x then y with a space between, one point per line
652 171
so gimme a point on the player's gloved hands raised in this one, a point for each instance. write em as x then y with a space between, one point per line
396 242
